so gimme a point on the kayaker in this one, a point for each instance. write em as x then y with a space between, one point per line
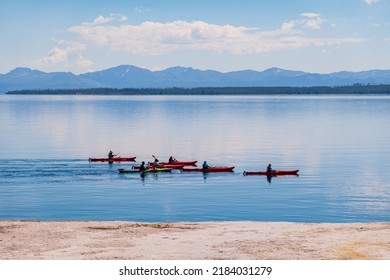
269 168
172 159
111 155
156 162
205 165
142 167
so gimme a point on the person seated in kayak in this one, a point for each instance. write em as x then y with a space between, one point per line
156 163
205 165
269 168
142 167
111 155
172 159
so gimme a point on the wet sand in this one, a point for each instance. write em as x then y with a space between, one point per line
78 240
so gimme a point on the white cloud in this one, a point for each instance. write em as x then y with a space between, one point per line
55 55
288 26
70 54
312 20
310 15
371 2
156 37
159 38
100 20
141 9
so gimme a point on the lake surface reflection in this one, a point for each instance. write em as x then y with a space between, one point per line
340 144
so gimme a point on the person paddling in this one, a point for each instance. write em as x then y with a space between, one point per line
269 168
111 155
142 167
156 161
205 165
171 159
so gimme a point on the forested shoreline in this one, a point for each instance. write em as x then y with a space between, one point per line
354 89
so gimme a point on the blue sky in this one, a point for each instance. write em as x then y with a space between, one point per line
319 36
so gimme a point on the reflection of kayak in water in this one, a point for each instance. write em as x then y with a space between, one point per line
210 169
145 171
115 159
272 173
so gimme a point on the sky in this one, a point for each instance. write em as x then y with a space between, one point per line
79 36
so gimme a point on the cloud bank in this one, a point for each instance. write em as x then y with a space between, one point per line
114 33
155 38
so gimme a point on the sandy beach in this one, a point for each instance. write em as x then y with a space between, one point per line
78 240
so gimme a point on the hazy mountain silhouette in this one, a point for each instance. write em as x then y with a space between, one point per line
129 76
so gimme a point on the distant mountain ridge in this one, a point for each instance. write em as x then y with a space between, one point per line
129 76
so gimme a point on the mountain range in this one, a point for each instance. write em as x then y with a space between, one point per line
128 76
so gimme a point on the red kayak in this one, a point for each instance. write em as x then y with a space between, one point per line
179 162
210 169
273 173
171 166
115 159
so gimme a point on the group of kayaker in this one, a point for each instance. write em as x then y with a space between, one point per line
171 159
155 164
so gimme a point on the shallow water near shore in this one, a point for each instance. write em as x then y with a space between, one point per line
340 144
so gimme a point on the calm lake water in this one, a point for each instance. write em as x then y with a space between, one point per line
340 144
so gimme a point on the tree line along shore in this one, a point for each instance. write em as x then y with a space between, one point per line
339 90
